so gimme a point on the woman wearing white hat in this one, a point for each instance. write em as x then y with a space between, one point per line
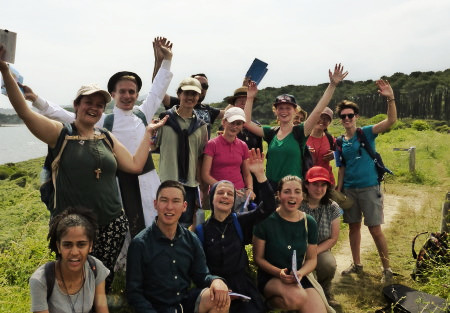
226 157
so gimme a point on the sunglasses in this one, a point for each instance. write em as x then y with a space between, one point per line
205 86
350 116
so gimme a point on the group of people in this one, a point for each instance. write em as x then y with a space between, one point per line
295 222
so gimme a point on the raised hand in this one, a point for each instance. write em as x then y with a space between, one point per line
385 89
338 74
155 125
3 64
165 48
252 90
256 164
28 92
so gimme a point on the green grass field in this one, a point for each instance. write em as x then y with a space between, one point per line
24 222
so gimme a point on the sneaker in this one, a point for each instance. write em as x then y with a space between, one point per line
388 276
353 268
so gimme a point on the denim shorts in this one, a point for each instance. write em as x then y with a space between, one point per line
368 201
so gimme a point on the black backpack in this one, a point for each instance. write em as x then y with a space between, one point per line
307 159
49 272
433 253
403 299
51 163
375 156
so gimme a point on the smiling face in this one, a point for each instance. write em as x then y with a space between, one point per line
240 102
74 247
348 122
223 199
290 195
89 108
285 112
170 205
232 128
125 94
188 98
204 82
316 190
323 122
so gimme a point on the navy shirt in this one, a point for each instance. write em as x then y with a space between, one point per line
160 270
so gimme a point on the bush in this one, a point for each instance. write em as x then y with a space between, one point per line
18 174
399 125
4 174
21 181
420 125
377 118
443 129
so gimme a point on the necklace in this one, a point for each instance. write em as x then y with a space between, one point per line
222 232
72 304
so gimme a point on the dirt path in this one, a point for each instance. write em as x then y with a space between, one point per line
391 208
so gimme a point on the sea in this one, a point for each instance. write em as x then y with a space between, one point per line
18 144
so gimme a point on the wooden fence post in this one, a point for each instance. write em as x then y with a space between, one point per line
412 159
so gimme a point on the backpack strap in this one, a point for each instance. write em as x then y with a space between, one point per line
273 132
200 233
364 143
92 264
339 141
237 226
108 122
49 273
330 140
141 115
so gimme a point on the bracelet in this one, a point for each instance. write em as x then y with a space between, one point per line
389 100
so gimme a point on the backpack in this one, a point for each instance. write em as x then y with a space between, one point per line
403 299
49 273
434 252
51 164
307 159
108 122
375 156
201 234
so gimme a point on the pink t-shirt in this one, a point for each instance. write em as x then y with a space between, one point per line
227 159
321 147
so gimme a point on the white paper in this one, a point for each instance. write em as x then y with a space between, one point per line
294 267
8 40
241 296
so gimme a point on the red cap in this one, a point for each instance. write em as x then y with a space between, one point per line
318 173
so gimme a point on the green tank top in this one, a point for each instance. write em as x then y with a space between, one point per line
77 183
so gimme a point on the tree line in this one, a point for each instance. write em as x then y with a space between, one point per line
422 95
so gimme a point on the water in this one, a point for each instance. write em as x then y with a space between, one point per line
18 144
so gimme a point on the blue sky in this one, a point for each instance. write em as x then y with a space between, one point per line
64 44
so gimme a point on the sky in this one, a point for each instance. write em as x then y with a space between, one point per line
62 45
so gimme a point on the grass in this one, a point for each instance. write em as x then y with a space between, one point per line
24 224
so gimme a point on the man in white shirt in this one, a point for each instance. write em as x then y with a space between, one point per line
138 191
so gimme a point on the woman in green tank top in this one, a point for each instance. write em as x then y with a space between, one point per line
87 169
284 145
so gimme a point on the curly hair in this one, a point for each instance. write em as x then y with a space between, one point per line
71 217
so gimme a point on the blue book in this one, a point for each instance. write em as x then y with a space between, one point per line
257 71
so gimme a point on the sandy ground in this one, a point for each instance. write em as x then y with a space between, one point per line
391 206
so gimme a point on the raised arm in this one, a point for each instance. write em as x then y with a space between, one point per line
385 89
163 49
158 62
335 78
134 163
251 126
43 128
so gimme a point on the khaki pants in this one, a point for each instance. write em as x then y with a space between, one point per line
325 270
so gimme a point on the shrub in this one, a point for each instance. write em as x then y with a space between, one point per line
443 129
399 125
377 118
17 174
21 181
420 125
4 174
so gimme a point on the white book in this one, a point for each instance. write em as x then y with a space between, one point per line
8 40
240 296
294 267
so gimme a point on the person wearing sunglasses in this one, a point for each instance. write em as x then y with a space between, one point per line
286 143
358 179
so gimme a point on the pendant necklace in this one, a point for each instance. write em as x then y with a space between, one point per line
98 159
222 232
72 304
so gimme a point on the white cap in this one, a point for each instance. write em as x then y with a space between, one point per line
234 114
